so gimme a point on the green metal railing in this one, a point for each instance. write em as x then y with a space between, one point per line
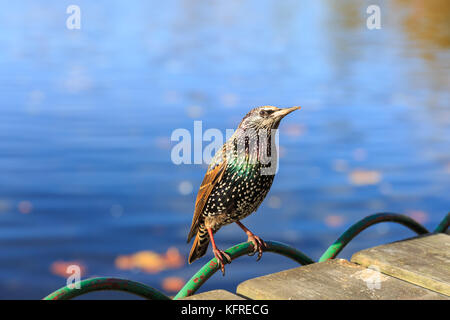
355 229
97 284
116 284
235 252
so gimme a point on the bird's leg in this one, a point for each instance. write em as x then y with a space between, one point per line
219 254
258 243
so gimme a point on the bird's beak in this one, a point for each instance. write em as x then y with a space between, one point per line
284 112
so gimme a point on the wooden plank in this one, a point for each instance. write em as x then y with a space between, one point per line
424 261
214 295
333 279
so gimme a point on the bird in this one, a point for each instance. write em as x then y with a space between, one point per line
236 182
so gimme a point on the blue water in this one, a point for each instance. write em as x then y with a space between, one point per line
86 118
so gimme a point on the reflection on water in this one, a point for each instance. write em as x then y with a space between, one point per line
87 115
426 23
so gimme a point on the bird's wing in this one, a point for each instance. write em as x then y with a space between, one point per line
212 177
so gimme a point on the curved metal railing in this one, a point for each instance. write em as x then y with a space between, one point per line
235 252
102 283
137 288
363 224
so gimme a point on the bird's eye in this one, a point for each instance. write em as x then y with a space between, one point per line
265 113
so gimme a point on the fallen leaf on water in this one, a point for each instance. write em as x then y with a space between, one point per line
124 262
173 258
150 261
61 268
364 177
173 284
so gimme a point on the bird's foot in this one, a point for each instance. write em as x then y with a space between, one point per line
258 245
221 256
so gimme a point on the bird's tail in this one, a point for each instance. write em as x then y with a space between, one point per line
200 245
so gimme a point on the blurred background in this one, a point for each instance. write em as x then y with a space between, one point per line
86 117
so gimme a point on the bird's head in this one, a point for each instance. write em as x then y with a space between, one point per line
267 117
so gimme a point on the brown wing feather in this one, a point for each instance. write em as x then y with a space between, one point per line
209 181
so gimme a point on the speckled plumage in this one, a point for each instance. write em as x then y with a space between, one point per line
234 185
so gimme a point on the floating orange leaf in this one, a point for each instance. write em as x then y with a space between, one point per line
173 258
365 177
124 263
173 284
151 262
61 268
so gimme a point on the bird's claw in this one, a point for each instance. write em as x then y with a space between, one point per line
221 256
258 246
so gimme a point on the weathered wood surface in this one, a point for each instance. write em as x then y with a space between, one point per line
424 261
333 279
214 295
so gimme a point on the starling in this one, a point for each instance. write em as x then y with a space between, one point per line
237 181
